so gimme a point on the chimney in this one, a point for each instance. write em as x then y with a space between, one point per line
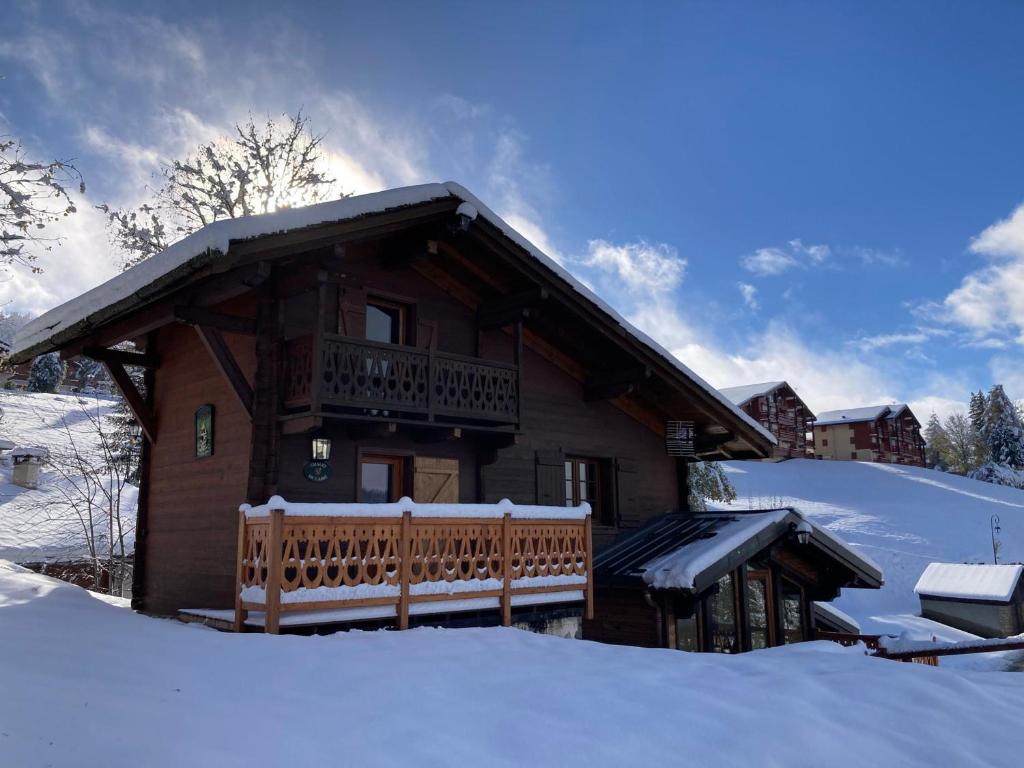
27 463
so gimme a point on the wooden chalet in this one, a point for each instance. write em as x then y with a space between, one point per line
423 386
724 582
880 433
776 407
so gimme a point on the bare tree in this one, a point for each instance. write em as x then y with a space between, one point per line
88 503
959 444
33 195
257 170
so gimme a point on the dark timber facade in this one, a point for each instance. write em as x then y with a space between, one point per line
440 357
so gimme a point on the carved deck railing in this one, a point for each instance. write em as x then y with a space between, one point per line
408 557
355 373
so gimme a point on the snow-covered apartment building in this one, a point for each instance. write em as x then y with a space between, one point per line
393 408
778 408
882 433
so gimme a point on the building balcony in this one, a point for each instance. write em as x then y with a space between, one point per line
345 376
305 564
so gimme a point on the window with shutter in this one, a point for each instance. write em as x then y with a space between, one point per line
550 478
435 481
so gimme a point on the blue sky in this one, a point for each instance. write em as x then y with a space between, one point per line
821 192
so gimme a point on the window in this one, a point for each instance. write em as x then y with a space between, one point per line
385 321
583 483
792 612
824 443
759 615
720 613
853 455
381 479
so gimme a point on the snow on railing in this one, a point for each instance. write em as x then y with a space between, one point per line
405 504
406 557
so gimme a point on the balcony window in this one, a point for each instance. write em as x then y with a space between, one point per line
583 483
385 321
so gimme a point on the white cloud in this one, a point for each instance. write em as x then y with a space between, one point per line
990 300
881 341
749 294
769 262
639 266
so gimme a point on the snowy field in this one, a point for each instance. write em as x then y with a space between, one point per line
901 517
49 523
86 682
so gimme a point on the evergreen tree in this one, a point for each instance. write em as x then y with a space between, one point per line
978 406
937 446
707 481
125 436
1003 430
47 373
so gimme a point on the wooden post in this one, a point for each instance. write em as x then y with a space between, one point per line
240 615
517 351
589 559
506 565
405 570
275 566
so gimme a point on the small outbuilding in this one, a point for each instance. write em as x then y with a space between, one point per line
986 600
724 582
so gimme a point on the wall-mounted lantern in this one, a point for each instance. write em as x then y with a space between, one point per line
802 531
318 468
321 448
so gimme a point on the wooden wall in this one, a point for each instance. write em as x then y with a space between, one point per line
193 503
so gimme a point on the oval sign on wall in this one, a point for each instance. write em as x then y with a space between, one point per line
316 471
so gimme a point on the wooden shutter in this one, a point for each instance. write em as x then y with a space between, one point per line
352 311
426 334
551 478
626 507
435 481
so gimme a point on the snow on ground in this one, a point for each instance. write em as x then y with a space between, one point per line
902 517
73 665
38 525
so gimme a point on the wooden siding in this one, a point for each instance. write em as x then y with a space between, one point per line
623 617
192 518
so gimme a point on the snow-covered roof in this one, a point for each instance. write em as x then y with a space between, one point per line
142 282
967 581
837 617
680 568
690 552
742 394
867 413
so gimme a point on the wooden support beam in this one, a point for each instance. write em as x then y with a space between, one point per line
222 322
226 364
507 310
122 357
612 384
436 434
365 430
126 387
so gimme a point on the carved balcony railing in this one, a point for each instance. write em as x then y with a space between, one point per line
353 373
402 558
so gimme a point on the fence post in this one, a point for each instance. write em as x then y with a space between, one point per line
240 615
404 570
275 567
589 559
506 565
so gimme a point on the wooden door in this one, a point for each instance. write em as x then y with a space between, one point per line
435 480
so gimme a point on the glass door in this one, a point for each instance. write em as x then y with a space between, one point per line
759 610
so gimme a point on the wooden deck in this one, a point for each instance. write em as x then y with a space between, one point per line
391 566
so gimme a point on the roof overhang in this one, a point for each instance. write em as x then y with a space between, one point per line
233 243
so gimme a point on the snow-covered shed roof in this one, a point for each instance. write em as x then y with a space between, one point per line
969 581
867 413
742 394
140 284
691 552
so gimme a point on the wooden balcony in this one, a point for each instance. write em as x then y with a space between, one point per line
356 561
368 378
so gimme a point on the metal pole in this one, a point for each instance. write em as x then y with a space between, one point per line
994 525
